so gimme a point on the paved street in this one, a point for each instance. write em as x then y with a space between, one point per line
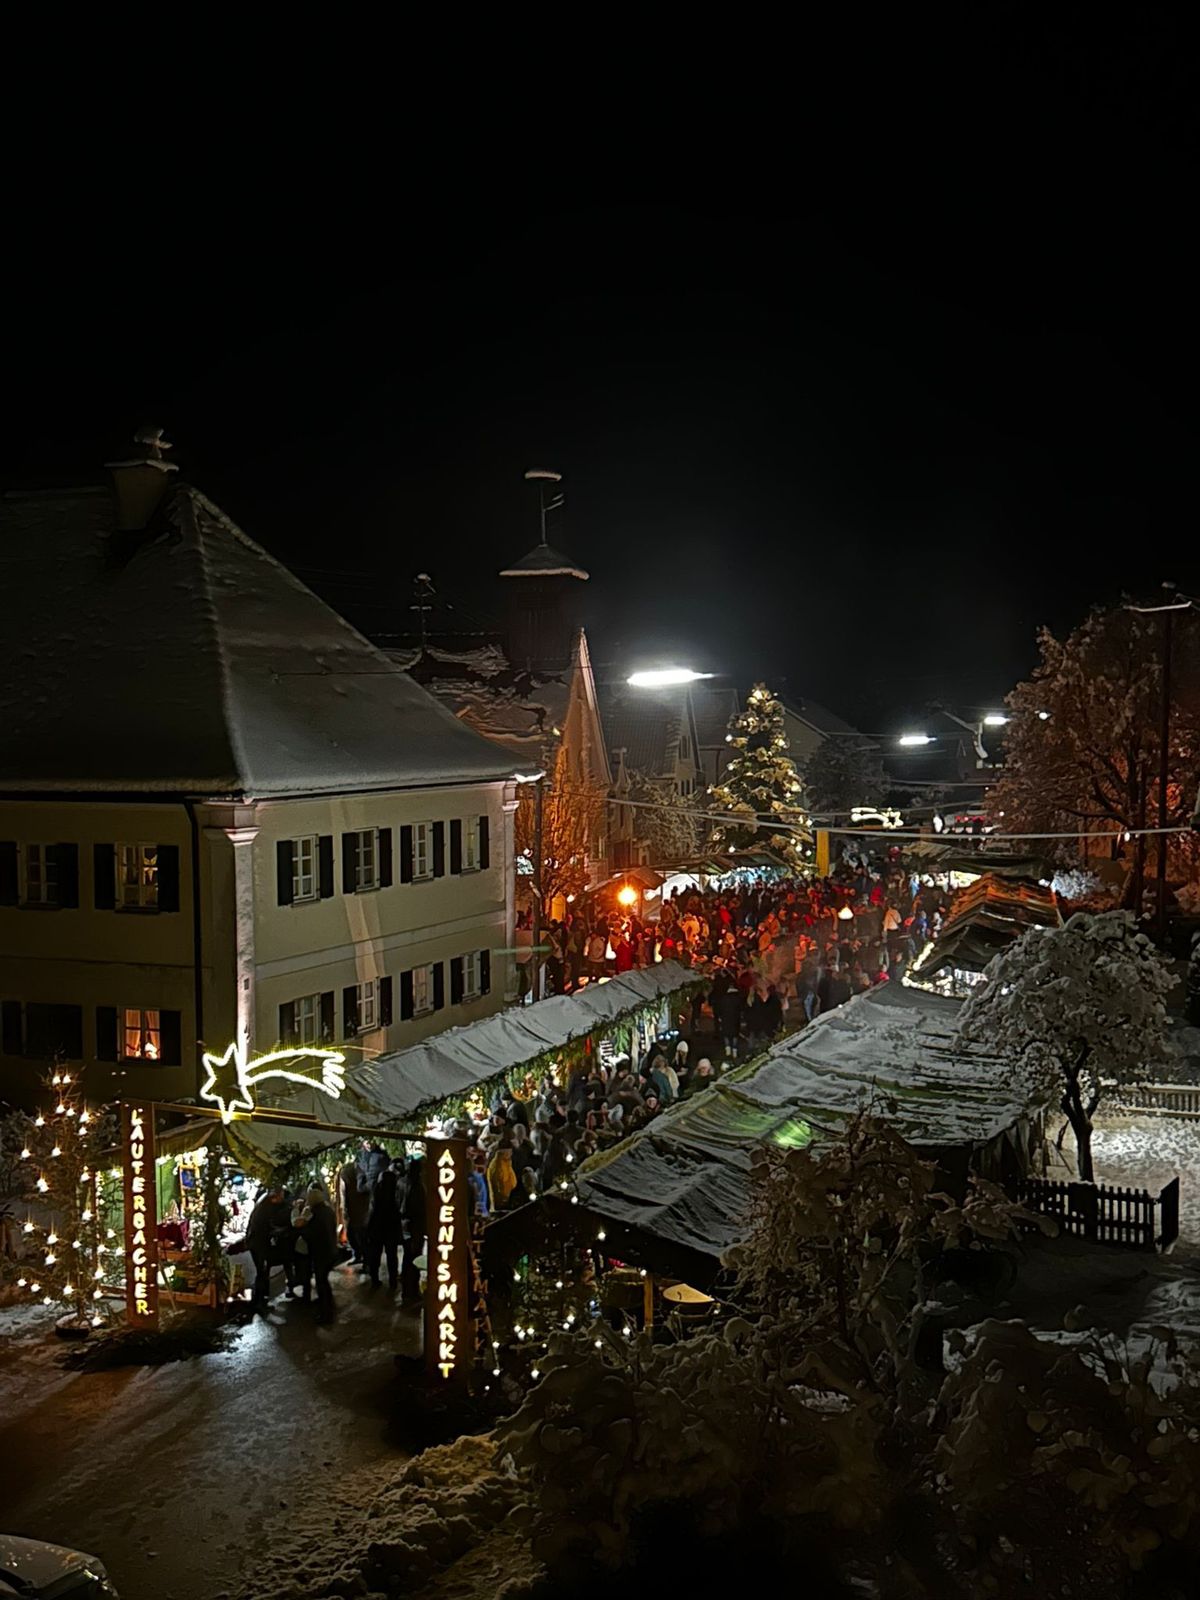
185 1478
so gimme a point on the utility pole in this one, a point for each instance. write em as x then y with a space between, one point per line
1167 612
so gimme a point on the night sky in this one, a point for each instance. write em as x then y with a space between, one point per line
847 395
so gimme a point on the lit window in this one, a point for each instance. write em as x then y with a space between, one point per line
422 850
137 875
470 854
308 1019
141 1036
366 855
472 976
41 875
368 1005
304 869
422 990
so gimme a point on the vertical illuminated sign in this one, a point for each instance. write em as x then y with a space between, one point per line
141 1215
449 1352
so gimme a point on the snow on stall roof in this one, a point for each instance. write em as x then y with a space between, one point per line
189 660
400 1088
686 1177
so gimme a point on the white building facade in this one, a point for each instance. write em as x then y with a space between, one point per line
242 823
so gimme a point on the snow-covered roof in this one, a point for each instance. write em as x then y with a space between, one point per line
544 562
399 1089
646 724
188 660
685 1179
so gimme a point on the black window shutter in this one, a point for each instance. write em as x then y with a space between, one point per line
168 877
68 874
406 996
105 876
485 859
325 866
70 1028
385 1002
287 1023
406 853
439 985
328 1020
456 980
349 1011
385 858
10 1027
172 1038
439 849
349 863
456 844
8 873
285 867
485 970
106 1033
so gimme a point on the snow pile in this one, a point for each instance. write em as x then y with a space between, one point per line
447 1525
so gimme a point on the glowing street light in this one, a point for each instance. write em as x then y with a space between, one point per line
915 738
627 895
995 719
664 677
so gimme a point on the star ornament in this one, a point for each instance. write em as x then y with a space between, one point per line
231 1077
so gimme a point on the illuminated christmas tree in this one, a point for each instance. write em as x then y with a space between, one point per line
65 1248
761 792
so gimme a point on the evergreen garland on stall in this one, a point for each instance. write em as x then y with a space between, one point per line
761 790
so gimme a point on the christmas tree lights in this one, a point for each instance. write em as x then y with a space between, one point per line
761 792
64 1240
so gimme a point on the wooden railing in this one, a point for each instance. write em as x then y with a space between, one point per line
1106 1213
1160 1099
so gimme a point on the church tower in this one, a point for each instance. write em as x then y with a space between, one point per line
545 595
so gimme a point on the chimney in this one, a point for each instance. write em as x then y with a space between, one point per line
141 483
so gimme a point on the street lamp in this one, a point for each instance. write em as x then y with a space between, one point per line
627 895
915 738
995 719
664 677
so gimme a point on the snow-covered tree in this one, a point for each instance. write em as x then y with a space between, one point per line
761 791
1073 1007
1082 743
668 822
843 772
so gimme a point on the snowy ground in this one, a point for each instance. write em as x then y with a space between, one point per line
188 1480
1146 1152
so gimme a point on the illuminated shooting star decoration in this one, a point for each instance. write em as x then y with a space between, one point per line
231 1077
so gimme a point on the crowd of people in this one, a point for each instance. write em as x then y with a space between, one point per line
376 1217
771 957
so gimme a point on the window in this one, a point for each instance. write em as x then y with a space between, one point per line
685 747
141 1036
422 990
368 1005
470 855
422 836
137 876
472 976
41 875
41 1032
309 1020
306 1028
304 868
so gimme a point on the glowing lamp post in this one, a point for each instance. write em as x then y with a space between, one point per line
627 895
664 677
